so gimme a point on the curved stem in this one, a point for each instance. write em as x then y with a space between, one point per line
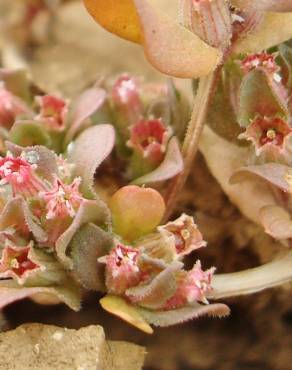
191 142
274 273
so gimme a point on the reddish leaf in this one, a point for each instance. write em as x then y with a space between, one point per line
171 166
87 103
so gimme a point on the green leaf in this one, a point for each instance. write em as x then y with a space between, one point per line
286 56
161 288
29 133
259 95
17 214
173 317
90 211
90 149
221 116
17 81
87 245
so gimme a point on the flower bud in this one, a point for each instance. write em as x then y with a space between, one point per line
136 211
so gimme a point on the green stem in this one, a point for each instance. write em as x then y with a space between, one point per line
274 273
191 142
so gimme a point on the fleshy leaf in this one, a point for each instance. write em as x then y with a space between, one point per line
87 245
161 288
50 273
277 174
119 307
68 293
117 17
173 317
221 115
91 148
171 166
277 222
136 211
16 212
87 103
89 211
274 29
17 81
46 160
258 97
171 48
286 56
28 133
265 5
223 159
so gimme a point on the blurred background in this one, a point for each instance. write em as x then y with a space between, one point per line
65 52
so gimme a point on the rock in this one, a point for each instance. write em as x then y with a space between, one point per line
47 347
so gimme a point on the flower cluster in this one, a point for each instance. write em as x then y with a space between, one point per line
147 276
143 115
57 235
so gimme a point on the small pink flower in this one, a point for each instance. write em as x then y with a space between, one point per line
17 263
53 111
62 200
149 138
262 60
20 174
267 133
122 270
185 234
125 95
192 286
10 107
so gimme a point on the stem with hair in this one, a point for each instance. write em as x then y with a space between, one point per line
191 141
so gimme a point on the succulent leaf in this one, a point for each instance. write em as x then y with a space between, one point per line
158 291
171 166
258 97
90 211
68 293
28 133
85 105
87 245
119 307
277 222
90 149
173 317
